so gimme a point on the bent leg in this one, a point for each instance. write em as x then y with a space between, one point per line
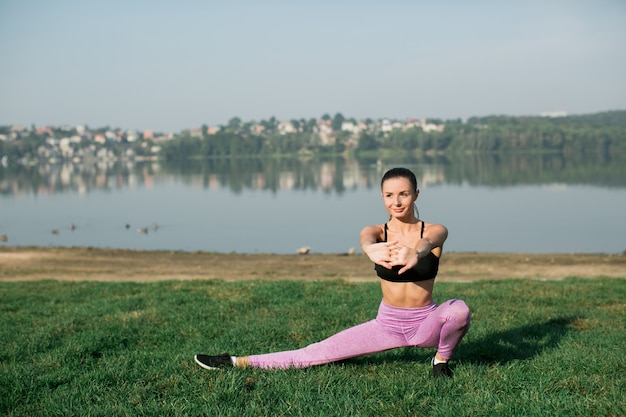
443 328
365 338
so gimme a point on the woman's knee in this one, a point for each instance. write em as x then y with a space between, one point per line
458 312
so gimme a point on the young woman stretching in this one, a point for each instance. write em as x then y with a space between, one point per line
406 253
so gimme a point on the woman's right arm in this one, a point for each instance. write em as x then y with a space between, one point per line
378 252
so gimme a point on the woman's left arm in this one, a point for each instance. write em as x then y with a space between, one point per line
434 237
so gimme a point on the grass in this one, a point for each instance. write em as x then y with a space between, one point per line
126 349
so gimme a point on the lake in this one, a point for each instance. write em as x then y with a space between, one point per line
531 204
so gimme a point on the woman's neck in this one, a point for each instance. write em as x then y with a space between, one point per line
403 224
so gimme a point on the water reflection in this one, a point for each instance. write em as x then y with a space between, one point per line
335 175
279 205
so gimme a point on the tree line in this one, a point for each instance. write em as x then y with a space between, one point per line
601 133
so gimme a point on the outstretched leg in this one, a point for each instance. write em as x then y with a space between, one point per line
365 338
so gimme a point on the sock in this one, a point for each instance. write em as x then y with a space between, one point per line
437 361
234 360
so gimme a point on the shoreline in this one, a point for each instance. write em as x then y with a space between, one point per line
127 265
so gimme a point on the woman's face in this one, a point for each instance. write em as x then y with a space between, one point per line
399 197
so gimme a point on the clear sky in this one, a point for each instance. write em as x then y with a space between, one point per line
172 65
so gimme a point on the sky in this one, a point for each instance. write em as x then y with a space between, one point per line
168 66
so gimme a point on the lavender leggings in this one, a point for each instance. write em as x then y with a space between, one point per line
432 326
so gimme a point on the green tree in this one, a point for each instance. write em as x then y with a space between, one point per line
367 142
234 125
337 122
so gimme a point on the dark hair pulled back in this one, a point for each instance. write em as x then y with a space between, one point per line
400 173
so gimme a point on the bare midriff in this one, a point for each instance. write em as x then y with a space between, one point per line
407 294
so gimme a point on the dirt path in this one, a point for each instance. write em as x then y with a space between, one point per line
86 264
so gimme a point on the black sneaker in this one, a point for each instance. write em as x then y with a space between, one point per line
441 369
214 362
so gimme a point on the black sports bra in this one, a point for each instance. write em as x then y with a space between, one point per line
426 268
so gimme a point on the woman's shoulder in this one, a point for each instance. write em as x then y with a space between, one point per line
375 229
437 231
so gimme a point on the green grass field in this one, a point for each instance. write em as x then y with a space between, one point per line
551 348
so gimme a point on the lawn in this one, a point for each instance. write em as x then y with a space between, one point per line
553 348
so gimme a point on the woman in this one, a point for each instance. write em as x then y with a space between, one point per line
406 253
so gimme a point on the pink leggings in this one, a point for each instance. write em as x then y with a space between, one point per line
432 326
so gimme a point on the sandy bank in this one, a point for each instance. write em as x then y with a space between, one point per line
30 263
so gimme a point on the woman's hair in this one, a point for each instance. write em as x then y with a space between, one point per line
400 173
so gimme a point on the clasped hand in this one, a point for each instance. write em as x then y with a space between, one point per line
390 254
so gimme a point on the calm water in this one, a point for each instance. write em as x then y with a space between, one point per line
276 207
